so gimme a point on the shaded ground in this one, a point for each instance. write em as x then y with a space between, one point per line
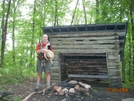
99 92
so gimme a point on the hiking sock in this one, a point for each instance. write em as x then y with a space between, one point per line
38 85
47 84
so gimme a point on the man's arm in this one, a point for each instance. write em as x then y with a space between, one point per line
38 50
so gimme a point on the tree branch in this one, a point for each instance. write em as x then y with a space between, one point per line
43 92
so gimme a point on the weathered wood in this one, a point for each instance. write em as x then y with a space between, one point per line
115 72
117 60
55 80
113 63
55 74
83 46
93 50
86 71
55 63
74 34
55 70
90 64
87 66
113 57
88 76
55 77
88 42
86 61
85 38
71 48
84 54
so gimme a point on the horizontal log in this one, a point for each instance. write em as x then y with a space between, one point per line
87 42
92 46
86 66
88 76
82 54
54 77
114 60
55 64
84 63
112 67
113 63
55 71
113 56
114 72
112 53
55 81
95 50
55 74
87 70
59 53
84 38
80 34
81 60
62 56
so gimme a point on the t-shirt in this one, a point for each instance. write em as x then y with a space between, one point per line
45 46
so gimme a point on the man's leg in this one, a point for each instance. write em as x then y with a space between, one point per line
39 76
47 72
47 79
38 85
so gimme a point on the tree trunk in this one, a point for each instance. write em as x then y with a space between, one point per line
13 33
74 12
56 13
97 11
32 37
85 16
132 46
132 5
4 29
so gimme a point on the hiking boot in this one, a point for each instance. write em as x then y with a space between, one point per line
38 88
47 84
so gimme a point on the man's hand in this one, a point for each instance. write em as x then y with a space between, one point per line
41 51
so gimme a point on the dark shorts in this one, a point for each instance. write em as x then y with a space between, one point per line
44 65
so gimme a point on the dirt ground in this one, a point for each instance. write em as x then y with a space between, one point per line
98 92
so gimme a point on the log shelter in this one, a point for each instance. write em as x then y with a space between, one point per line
90 52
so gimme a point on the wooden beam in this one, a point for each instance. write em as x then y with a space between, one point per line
88 76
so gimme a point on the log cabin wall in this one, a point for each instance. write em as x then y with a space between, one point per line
105 45
87 55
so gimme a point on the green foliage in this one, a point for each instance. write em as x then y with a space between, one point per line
1 89
16 72
17 99
129 85
13 75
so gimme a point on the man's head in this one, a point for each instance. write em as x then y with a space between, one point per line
44 38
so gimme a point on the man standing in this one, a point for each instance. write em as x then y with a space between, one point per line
43 64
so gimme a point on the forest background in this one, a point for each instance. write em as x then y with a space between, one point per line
21 29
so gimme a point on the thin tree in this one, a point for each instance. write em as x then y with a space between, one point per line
85 16
132 46
13 28
4 25
56 13
74 12
32 35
